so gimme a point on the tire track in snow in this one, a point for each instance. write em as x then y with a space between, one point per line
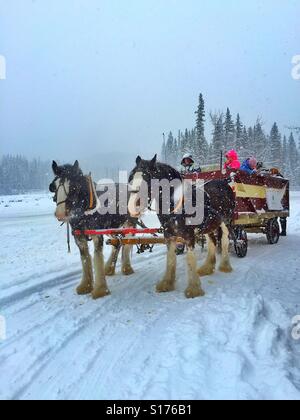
39 288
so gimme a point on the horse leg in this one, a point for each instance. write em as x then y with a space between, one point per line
225 265
110 267
210 264
100 287
86 285
168 282
194 288
127 269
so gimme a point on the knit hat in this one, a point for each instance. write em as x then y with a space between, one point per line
252 163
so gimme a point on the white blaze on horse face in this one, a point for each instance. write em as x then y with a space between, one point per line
136 184
62 195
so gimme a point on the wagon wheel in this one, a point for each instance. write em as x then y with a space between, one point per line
273 231
241 242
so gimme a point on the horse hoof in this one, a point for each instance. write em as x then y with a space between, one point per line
100 293
194 292
205 271
226 269
110 271
127 271
165 287
84 289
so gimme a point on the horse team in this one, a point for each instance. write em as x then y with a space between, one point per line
77 202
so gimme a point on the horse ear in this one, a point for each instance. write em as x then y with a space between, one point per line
76 166
154 160
55 167
138 160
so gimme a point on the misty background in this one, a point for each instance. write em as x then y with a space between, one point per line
101 80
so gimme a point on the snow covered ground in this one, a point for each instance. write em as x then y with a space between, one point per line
234 343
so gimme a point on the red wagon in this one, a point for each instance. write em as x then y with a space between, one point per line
261 200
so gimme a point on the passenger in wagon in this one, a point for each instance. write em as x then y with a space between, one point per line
249 166
188 165
232 161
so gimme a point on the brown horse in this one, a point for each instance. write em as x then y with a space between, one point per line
219 206
76 202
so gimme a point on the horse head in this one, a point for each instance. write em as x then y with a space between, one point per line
74 193
140 185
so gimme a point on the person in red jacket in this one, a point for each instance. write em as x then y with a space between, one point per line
232 161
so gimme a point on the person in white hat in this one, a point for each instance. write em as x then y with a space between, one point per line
188 164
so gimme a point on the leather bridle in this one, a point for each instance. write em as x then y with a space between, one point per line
55 191
92 202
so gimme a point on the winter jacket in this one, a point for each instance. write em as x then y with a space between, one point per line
232 161
186 170
246 167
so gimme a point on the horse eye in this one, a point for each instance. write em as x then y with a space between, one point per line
52 188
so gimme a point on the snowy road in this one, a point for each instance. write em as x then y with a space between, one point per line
234 343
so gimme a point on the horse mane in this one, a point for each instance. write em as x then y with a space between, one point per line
167 171
69 171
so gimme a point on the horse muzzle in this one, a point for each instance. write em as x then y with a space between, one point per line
62 217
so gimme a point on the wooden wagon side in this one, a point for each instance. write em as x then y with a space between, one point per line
260 201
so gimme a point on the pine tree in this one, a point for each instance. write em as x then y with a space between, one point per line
293 158
201 144
170 149
163 151
285 160
276 146
229 131
239 133
260 142
245 144
218 138
251 145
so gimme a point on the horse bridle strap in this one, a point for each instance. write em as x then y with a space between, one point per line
91 193
92 196
61 185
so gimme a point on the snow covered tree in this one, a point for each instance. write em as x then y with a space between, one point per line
18 175
239 133
164 151
293 158
218 138
260 142
201 145
229 131
276 146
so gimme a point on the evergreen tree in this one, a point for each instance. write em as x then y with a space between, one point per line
276 146
17 175
293 158
164 151
218 138
229 131
239 133
251 145
260 142
201 144
285 160
245 144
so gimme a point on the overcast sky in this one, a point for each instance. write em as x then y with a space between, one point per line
86 76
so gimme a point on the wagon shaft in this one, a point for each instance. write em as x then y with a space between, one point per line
140 241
